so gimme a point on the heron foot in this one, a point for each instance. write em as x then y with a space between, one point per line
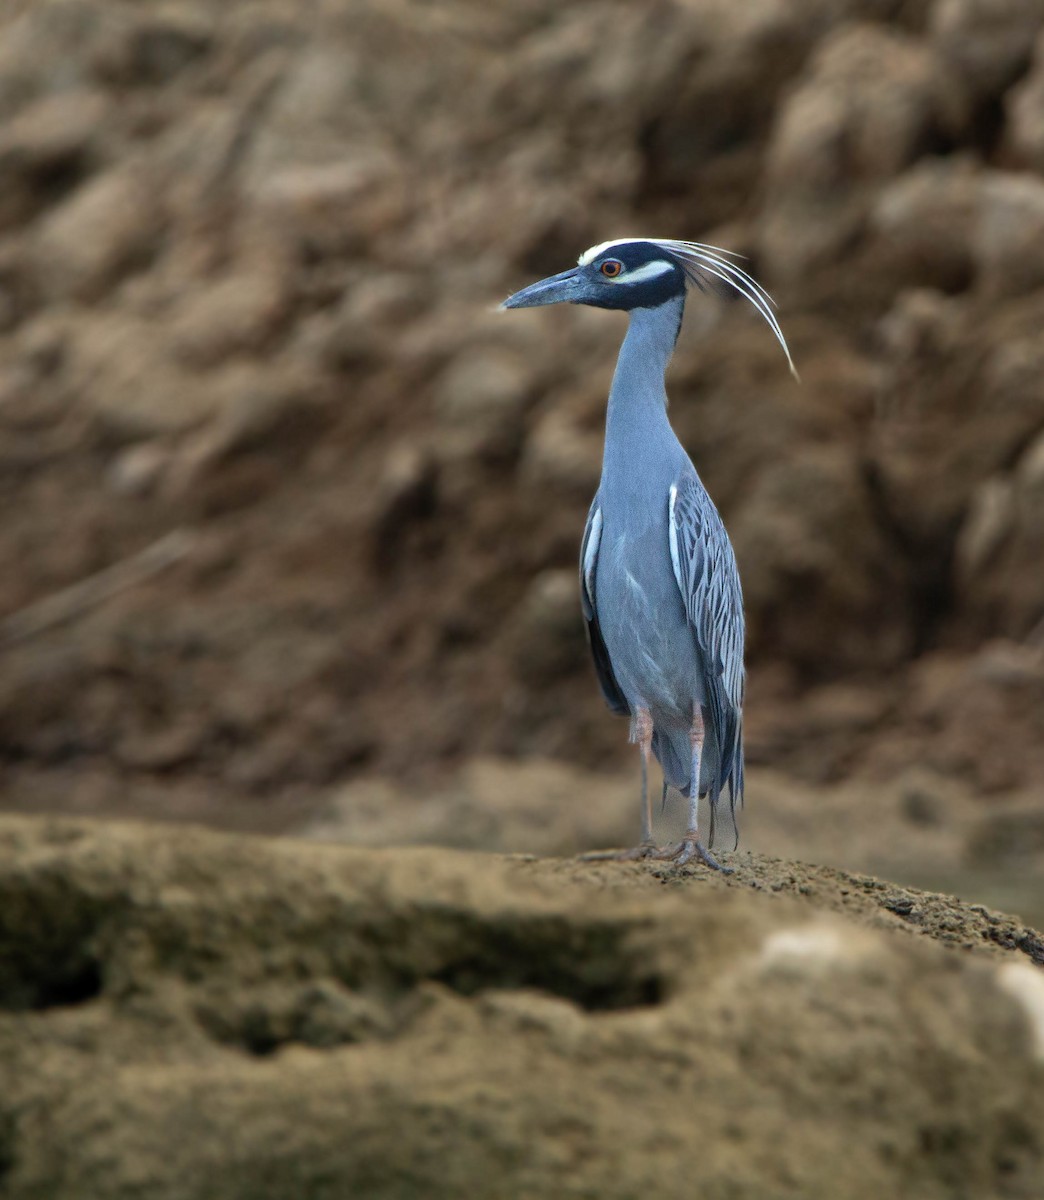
679 854
687 850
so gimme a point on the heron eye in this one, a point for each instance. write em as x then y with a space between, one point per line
612 267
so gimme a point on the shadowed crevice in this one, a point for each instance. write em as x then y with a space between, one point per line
594 966
50 984
48 945
8 1135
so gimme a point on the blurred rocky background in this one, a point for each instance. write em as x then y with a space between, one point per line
290 513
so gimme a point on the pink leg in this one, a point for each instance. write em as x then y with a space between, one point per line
691 847
641 732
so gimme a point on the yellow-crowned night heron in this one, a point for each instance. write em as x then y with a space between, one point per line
659 587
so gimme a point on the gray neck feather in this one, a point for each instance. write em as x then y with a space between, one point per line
636 424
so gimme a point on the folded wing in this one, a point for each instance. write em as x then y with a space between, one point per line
614 697
705 570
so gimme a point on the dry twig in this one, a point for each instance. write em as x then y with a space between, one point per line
72 601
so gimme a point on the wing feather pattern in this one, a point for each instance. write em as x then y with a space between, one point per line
705 568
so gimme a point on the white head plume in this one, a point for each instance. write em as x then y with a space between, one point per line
701 264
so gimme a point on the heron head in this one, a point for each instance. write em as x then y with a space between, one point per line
624 274
633 273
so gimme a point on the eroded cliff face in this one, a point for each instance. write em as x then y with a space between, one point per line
188 1014
248 257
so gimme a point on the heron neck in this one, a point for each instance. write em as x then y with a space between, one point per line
637 410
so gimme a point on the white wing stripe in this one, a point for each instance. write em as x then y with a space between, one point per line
591 553
672 535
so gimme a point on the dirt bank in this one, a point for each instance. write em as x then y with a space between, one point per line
248 255
189 1015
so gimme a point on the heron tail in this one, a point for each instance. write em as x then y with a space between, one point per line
672 752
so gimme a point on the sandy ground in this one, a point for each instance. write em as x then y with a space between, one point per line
922 829
189 1014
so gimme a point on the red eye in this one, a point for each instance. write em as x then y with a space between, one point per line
612 267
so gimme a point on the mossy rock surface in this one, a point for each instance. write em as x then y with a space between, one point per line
186 1014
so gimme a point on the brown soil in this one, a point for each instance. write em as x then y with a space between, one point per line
189 1014
247 261
917 830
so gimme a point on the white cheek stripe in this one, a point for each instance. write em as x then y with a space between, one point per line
648 270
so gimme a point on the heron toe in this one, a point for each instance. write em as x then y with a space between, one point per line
678 854
687 850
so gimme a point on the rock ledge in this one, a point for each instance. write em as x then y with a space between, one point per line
190 1014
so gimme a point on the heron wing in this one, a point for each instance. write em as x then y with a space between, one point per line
707 576
614 697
